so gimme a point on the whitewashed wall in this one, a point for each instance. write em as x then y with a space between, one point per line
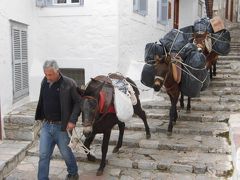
134 32
77 37
19 11
188 12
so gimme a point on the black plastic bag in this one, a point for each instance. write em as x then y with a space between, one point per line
203 25
196 77
174 41
152 49
188 31
221 42
148 75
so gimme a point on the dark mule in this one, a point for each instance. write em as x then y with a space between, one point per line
95 122
211 61
211 56
164 76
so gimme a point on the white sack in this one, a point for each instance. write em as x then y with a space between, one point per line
123 105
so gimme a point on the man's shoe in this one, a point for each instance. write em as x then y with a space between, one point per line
72 177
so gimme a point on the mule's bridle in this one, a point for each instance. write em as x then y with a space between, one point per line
96 110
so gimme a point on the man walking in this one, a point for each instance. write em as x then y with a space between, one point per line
58 107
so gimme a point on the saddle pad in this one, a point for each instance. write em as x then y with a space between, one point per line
105 98
177 72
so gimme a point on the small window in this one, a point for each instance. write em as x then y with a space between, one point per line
140 7
200 8
162 12
44 3
65 2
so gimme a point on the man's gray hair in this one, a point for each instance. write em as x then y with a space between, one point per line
50 64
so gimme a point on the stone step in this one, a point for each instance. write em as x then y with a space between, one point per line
172 161
87 171
209 98
21 132
198 106
228 77
224 61
11 153
169 161
161 141
225 83
183 115
221 91
181 127
236 58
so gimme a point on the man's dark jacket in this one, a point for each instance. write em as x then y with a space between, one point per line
69 101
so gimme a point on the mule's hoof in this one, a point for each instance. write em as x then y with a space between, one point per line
91 158
169 133
188 111
99 173
115 150
174 123
148 136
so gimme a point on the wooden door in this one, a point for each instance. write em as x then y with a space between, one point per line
176 14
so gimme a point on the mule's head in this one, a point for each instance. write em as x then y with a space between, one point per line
89 107
199 40
161 70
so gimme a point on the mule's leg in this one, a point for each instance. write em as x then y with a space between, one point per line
172 115
105 142
121 126
87 144
214 68
211 72
141 113
181 101
189 104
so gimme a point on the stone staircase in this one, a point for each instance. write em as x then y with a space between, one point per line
200 147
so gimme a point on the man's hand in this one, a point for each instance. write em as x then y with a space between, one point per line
70 126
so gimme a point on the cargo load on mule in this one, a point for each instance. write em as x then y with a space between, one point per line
183 61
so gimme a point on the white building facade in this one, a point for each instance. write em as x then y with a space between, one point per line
94 35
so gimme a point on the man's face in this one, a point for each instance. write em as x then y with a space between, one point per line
51 74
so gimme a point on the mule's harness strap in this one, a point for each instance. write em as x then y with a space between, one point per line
159 77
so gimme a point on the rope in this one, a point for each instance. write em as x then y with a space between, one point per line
76 141
188 71
133 84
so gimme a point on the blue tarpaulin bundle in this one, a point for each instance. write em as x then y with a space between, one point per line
202 25
221 42
152 49
194 75
148 75
174 41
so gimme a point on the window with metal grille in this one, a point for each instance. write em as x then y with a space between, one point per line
20 60
44 3
140 7
78 74
162 12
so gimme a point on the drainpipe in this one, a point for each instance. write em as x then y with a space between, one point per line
209 8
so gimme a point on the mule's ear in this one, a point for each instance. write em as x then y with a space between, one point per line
81 90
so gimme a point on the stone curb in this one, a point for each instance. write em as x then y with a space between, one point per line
12 152
234 133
